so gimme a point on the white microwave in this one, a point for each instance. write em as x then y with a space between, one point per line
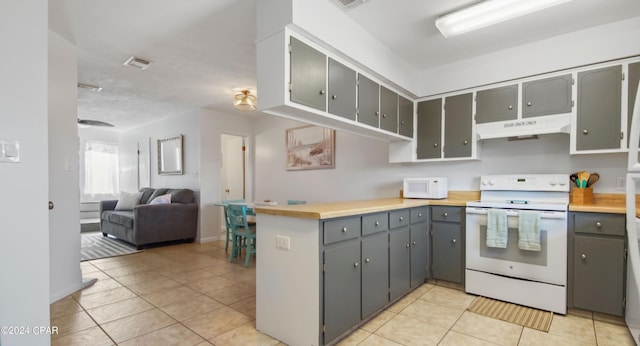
429 188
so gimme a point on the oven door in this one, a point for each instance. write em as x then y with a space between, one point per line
549 265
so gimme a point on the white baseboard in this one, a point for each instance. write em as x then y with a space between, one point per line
208 239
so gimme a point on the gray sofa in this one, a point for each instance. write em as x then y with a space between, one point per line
148 224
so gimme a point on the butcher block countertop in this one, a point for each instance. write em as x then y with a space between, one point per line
321 211
611 203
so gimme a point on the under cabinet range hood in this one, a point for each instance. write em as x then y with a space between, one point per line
525 128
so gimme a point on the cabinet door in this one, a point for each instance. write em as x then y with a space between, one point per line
405 117
388 110
375 273
457 125
429 129
341 288
419 246
399 262
598 274
634 78
368 101
308 75
497 104
446 251
342 90
599 98
546 96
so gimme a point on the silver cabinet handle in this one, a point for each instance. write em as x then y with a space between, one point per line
401 218
384 115
419 214
510 107
465 142
344 230
322 92
377 223
583 256
407 246
401 122
586 132
528 104
414 243
334 97
445 214
453 240
377 113
367 260
355 265
435 144
599 224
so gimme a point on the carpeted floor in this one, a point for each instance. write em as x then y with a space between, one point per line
521 315
94 246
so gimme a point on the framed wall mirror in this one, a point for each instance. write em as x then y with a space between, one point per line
170 156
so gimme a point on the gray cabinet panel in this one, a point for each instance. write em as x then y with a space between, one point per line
446 261
546 96
443 213
368 101
599 98
598 274
634 78
429 129
341 288
603 224
375 273
497 104
457 126
399 262
419 215
388 110
342 90
419 251
308 75
398 218
405 117
341 229
374 223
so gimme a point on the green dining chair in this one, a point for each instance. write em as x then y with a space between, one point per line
243 235
225 205
296 201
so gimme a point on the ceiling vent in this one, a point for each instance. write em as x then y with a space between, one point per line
136 62
349 4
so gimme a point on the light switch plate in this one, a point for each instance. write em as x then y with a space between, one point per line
283 242
9 150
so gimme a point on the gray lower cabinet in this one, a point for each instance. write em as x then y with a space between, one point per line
547 96
341 288
419 246
429 129
458 121
634 78
599 103
308 76
388 110
405 117
375 273
497 104
597 262
399 254
342 90
368 101
447 244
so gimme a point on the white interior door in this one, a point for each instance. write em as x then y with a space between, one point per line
144 163
233 170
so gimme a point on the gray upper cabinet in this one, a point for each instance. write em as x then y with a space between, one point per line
388 110
457 125
497 104
308 76
546 96
405 117
634 78
342 90
429 129
368 101
599 102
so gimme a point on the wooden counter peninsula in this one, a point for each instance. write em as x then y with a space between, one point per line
325 269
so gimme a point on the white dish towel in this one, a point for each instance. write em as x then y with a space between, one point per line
497 228
529 230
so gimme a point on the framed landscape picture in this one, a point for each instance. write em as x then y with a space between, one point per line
310 147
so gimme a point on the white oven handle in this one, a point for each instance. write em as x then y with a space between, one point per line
543 214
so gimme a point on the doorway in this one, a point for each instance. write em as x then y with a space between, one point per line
233 170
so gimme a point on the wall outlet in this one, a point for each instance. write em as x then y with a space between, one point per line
621 183
283 242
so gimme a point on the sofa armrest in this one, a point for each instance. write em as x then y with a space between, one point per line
108 205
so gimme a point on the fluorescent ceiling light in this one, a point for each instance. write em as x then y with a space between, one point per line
488 13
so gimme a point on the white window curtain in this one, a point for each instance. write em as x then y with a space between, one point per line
101 170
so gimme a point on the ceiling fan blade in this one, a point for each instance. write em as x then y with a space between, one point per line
89 122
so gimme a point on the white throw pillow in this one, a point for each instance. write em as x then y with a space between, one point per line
128 200
164 199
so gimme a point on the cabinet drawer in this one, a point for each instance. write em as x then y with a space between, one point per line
609 224
452 214
418 215
375 223
341 229
398 218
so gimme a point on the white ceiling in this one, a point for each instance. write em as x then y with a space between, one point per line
203 51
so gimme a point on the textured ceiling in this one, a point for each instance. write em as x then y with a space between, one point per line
203 51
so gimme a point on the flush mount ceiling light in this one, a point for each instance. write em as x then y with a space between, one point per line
244 101
487 13
89 87
136 62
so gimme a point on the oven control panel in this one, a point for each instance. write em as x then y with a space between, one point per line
526 182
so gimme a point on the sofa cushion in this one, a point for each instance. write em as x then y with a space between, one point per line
146 193
127 200
156 193
164 199
124 218
181 195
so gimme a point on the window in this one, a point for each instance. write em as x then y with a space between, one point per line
100 171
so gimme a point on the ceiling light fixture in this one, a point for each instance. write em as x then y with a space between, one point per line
89 87
136 62
487 13
245 101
